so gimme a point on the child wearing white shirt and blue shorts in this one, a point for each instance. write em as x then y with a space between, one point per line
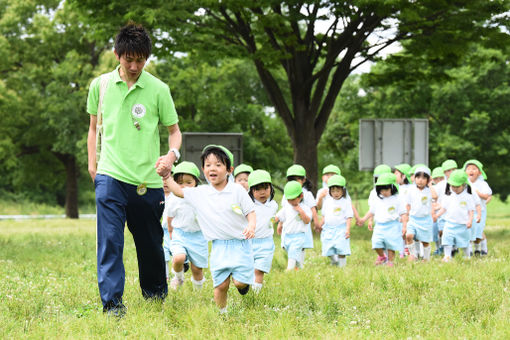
390 215
458 207
226 217
261 192
336 222
293 221
187 241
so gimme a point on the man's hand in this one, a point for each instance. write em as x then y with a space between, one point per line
164 164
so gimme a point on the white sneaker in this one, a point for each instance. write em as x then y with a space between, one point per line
175 283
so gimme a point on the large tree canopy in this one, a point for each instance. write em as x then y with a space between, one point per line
304 50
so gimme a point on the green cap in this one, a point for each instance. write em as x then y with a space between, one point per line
259 176
381 169
478 164
187 168
437 172
296 170
331 169
458 177
405 169
449 164
387 179
222 148
242 168
292 190
336 180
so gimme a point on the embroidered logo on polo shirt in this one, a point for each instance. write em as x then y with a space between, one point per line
236 209
138 110
463 204
391 210
337 211
424 200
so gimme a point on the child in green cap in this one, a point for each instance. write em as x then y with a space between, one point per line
293 220
437 177
458 208
241 173
477 177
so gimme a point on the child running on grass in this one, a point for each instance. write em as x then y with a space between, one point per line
390 214
336 222
437 177
458 206
241 173
477 177
187 241
262 194
164 225
226 217
419 206
294 218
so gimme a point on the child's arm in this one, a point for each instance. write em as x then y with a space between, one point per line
478 213
404 218
175 188
433 193
316 222
482 195
367 216
304 217
279 229
320 198
249 231
470 221
169 226
356 214
348 229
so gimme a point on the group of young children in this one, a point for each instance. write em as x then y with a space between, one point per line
236 212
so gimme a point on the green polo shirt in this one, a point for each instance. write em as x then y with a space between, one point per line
129 154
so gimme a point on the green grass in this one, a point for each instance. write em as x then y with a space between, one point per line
49 290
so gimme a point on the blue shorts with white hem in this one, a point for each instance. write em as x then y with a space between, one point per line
294 245
334 241
193 244
232 257
387 236
477 228
421 228
263 251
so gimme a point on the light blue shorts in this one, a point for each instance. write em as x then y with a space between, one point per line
435 232
387 236
440 224
166 245
294 245
421 228
232 257
193 244
456 235
334 241
477 228
263 251
308 238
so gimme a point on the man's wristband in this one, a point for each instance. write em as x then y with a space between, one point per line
176 153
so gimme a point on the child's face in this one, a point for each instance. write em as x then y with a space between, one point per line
215 171
327 176
400 177
473 172
458 189
386 192
261 193
437 179
421 181
337 192
186 181
242 179
295 201
448 172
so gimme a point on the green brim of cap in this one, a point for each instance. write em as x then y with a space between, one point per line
478 164
222 148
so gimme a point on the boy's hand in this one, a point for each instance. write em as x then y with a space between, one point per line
279 229
478 218
370 225
469 224
249 232
347 234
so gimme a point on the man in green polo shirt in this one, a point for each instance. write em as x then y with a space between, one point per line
128 175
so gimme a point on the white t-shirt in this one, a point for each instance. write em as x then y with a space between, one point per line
292 222
440 189
458 207
336 212
372 197
403 190
420 201
265 218
182 213
388 209
482 186
220 214
164 222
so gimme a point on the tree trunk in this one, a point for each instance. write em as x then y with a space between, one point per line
71 205
305 153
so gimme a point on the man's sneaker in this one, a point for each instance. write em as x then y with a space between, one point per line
117 311
185 266
175 283
381 260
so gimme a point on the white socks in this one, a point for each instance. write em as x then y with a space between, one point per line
198 284
291 264
257 287
484 245
179 275
466 252
478 246
426 252
166 269
447 251
334 259
223 310
413 249
342 261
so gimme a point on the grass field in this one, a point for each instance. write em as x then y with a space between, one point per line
49 290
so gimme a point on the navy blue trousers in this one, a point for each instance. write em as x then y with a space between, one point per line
117 203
